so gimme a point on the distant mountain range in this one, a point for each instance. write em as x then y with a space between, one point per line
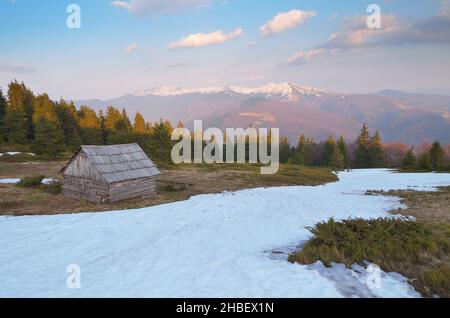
401 117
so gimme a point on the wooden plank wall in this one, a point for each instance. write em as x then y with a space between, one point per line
96 191
144 187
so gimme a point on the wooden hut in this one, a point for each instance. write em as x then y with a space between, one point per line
109 173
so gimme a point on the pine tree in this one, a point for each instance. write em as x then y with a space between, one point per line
410 160
336 159
285 150
437 156
425 161
29 110
112 119
343 150
49 137
330 147
362 148
15 119
298 156
160 142
376 153
104 133
140 127
68 117
90 127
3 106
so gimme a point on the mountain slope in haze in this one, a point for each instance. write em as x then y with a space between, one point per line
401 117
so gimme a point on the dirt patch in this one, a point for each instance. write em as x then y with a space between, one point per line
424 206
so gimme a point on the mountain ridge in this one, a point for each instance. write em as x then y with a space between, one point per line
295 109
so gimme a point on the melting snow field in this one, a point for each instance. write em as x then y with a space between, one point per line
208 246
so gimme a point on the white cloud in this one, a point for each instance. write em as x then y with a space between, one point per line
131 48
204 39
305 56
286 20
144 7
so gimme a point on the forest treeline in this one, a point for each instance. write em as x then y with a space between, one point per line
53 127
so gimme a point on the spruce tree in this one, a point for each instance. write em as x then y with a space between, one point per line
437 156
376 153
410 160
425 161
337 159
285 150
3 106
29 111
90 126
299 153
49 136
15 119
343 150
330 147
140 127
68 117
362 148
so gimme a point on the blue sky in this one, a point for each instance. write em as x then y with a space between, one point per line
127 45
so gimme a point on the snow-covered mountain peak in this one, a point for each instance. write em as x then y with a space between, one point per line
287 90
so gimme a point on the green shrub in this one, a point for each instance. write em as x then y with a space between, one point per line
417 250
174 187
52 188
29 182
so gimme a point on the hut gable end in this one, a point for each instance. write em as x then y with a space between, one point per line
80 167
110 173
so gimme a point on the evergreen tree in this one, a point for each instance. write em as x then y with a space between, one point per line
140 127
376 153
160 145
3 106
343 150
437 156
298 156
112 119
285 150
90 127
410 160
28 103
68 117
15 119
104 133
125 121
336 159
425 161
330 147
49 137
362 148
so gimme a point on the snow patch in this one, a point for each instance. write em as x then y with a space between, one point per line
16 180
208 246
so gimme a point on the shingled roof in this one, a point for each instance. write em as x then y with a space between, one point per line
118 163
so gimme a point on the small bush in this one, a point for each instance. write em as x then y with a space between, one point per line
29 182
52 188
174 187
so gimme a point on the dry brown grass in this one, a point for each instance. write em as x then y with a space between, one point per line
177 184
